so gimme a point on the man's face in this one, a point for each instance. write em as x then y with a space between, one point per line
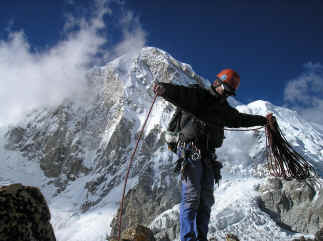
220 89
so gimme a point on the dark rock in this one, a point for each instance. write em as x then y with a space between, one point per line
24 214
136 233
319 235
231 237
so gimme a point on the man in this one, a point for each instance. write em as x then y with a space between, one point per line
211 108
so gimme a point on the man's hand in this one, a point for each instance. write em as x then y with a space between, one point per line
158 89
270 119
269 116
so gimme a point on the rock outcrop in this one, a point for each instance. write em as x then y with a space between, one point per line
24 214
295 205
319 235
135 233
145 201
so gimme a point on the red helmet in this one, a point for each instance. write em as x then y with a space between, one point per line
230 78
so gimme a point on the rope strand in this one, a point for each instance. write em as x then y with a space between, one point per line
129 167
253 129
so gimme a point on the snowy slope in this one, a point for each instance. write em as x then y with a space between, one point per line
102 132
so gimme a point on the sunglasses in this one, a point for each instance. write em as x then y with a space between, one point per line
227 90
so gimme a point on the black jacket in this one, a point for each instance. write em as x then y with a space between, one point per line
214 110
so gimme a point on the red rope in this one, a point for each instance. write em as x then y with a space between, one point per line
130 163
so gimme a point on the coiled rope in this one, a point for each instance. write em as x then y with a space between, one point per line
283 160
247 129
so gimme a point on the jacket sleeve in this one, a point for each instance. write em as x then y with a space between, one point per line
195 101
183 97
234 118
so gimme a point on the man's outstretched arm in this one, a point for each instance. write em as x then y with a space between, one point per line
184 97
234 118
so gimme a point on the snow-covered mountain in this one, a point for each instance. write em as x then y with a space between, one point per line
78 152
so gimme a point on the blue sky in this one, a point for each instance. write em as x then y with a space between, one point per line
276 46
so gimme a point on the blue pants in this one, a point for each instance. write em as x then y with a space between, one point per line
196 201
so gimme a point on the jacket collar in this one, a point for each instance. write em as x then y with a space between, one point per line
214 93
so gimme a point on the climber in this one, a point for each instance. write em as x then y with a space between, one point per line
212 110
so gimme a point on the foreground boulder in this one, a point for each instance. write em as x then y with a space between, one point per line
137 233
24 214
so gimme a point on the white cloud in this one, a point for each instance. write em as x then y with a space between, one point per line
30 79
305 93
314 112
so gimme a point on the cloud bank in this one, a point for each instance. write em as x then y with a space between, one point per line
305 93
31 79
